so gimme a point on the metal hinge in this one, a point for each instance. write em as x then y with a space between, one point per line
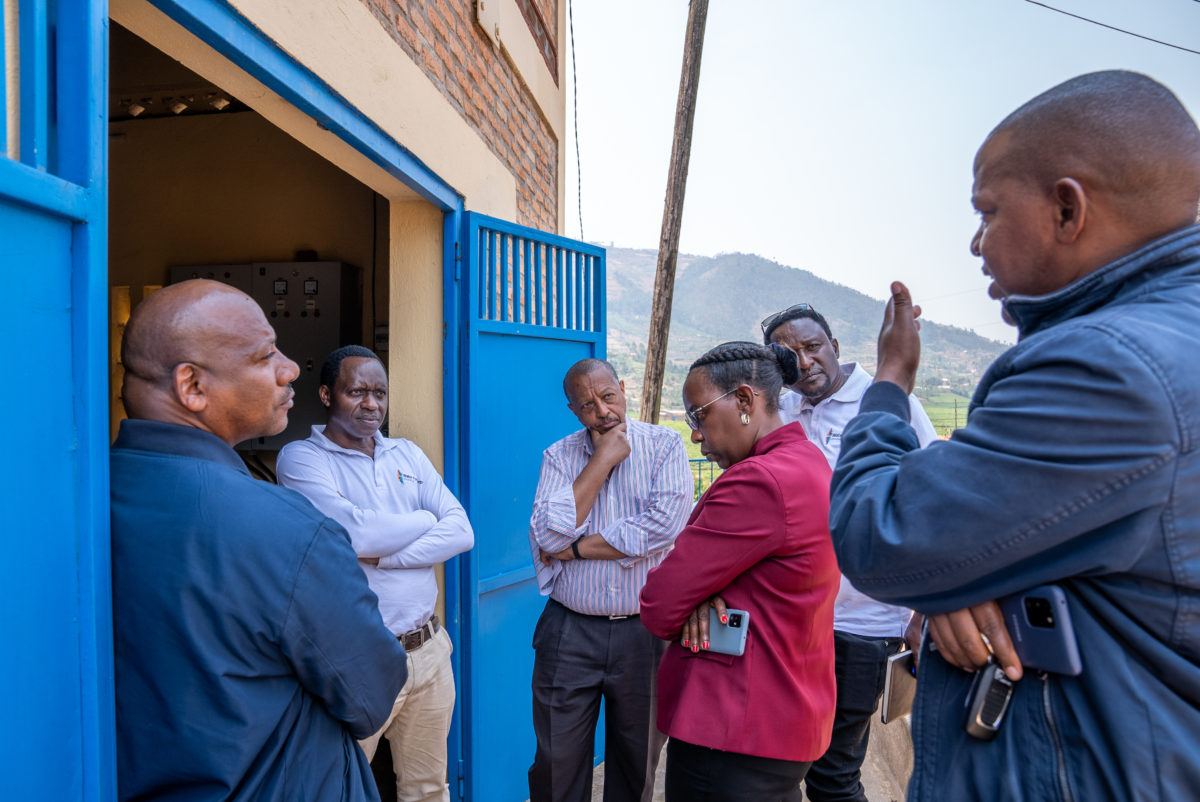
462 780
457 263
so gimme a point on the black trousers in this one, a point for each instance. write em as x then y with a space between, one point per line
579 659
860 664
699 774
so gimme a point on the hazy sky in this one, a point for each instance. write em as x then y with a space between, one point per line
837 136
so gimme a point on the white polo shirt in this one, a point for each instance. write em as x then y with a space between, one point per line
395 507
853 612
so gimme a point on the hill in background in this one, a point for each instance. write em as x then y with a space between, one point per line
724 297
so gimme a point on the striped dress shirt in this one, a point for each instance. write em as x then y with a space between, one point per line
642 506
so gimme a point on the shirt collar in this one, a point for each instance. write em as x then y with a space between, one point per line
630 430
381 443
178 439
851 390
1100 287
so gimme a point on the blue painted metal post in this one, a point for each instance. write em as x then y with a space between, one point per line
453 247
3 94
82 158
54 570
35 83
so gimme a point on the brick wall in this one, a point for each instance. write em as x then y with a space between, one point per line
442 37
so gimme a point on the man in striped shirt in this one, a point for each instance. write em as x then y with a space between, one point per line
610 500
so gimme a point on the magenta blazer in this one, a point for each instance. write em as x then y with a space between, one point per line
759 538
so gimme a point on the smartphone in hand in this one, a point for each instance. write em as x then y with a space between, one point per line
728 638
1039 625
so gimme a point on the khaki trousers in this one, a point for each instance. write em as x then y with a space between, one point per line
419 724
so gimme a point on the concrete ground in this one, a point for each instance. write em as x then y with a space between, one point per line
885 772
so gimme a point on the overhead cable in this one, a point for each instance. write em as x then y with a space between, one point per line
575 110
1115 28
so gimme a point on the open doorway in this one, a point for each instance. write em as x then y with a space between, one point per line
199 178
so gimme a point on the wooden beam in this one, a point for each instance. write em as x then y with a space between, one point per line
668 244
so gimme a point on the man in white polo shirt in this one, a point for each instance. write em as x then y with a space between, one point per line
823 400
403 521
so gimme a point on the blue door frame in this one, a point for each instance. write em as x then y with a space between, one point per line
54 569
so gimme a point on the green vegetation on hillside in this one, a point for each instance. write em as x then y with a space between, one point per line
724 298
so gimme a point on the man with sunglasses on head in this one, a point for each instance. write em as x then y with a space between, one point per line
824 399
610 501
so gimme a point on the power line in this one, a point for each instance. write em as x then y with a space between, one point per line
1115 28
962 292
575 110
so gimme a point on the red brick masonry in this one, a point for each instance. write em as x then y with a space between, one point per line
483 86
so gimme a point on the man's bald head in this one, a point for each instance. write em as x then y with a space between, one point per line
1121 135
201 353
170 327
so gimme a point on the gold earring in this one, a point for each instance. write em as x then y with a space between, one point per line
745 418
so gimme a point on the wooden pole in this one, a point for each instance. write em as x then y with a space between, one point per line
668 244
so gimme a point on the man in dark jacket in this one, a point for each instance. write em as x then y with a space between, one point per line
1078 466
249 651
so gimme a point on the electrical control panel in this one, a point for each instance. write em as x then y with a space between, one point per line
314 308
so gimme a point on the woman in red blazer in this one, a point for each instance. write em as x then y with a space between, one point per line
747 727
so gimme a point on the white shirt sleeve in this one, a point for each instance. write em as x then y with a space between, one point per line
451 533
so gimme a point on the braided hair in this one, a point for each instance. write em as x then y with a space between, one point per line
764 367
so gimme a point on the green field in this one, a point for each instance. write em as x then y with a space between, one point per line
942 411
707 471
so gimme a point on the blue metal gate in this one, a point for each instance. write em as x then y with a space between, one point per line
534 305
54 571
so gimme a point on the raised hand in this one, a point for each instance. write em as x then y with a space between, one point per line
899 347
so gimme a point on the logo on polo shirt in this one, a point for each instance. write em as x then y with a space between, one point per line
409 477
832 435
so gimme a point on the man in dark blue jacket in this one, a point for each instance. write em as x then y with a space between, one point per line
1078 465
249 651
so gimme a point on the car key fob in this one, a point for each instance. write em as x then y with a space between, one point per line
988 702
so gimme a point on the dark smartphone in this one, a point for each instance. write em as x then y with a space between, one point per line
1039 624
988 701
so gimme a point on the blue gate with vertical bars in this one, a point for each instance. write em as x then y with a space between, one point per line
56 623
533 305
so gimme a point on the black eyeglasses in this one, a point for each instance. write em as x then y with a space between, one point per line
774 320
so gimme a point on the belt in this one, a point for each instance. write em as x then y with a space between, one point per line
600 616
411 641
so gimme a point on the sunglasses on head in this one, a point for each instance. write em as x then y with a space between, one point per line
774 320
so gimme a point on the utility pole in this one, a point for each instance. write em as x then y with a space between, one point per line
668 243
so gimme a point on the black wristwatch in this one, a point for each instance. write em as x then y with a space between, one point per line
575 549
